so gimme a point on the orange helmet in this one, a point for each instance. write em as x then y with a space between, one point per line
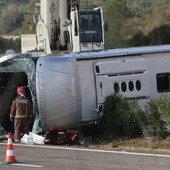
21 90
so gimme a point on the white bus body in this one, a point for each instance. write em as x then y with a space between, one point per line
69 90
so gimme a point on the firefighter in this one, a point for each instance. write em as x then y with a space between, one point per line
21 112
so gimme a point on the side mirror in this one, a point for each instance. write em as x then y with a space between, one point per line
106 26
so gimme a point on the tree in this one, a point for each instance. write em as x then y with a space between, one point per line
160 35
11 16
90 3
28 18
114 12
139 39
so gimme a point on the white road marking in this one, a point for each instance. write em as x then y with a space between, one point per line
20 164
100 151
96 150
27 165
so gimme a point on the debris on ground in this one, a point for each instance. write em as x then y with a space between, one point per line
58 136
32 138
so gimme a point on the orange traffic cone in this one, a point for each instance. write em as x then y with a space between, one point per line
10 157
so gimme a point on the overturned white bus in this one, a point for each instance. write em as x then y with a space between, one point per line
69 90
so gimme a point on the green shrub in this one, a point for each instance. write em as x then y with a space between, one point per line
121 117
124 118
158 115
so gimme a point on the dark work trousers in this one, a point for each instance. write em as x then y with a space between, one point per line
21 125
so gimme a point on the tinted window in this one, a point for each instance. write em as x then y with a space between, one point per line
123 86
116 87
90 26
138 85
163 82
131 86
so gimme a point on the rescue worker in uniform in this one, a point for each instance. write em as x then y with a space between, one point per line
21 113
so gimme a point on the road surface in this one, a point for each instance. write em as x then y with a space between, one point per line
43 157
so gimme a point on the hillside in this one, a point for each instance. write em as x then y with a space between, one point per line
141 12
158 15
12 13
139 16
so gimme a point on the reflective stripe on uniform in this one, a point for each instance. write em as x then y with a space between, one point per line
22 102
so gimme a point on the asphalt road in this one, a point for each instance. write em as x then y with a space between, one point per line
45 157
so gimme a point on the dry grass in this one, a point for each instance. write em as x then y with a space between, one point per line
145 143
